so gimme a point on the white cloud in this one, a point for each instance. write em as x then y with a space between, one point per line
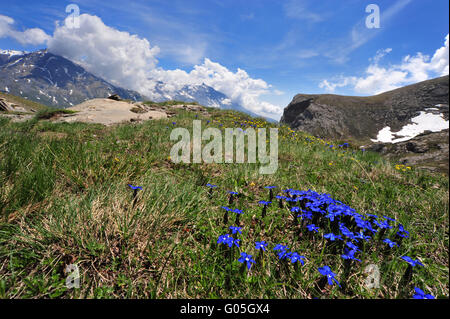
131 62
297 9
439 62
34 36
116 56
278 92
238 86
412 69
331 86
380 54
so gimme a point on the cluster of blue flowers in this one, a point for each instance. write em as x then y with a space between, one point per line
228 240
237 211
340 225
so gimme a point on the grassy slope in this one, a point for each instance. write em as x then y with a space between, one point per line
64 199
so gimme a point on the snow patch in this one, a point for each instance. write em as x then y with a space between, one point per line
12 52
421 123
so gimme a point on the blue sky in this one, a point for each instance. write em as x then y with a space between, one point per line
295 46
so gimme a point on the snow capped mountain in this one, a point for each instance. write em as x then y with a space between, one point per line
203 94
56 81
53 80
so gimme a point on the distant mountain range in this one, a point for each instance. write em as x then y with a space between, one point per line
53 80
58 82
203 94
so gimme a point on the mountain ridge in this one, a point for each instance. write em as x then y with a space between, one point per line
361 118
409 124
53 80
56 81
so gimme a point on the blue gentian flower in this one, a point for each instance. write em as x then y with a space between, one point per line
283 251
383 224
306 215
370 228
362 236
352 246
235 229
246 258
135 187
420 294
295 209
361 223
388 218
222 239
270 187
326 271
332 236
402 232
261 245
294 257
228 240
263 202
233 193
238 211
411 261
345 231
350 254
312 228
227 208
211 185
390 242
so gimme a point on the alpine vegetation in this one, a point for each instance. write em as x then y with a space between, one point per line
213 151
359 228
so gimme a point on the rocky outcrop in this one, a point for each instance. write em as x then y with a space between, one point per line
361 118
6 106
429 150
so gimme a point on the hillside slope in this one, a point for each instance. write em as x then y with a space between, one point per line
380 122
66 199
362 118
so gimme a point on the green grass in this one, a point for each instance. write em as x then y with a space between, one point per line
49 113
64 199
170 103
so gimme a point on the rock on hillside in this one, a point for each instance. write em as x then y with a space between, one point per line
409 124
110 111
429 150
